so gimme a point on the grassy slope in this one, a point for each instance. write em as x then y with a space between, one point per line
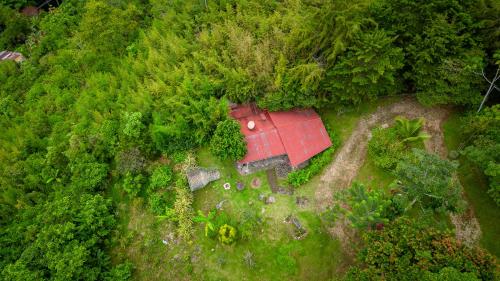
475 185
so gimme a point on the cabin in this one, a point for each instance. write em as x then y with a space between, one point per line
279 139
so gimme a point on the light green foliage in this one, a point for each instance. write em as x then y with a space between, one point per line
132 124
161 178
366 208
132 184
183 210
483 146
409 130
407 250
228 142
207 220
227 234
429 181
367 70
385 148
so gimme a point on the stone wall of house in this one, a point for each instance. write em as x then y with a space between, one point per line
266 164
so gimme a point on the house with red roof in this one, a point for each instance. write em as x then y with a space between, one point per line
283 138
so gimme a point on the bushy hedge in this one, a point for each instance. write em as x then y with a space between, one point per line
317 163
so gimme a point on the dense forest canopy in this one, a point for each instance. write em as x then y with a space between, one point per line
110 84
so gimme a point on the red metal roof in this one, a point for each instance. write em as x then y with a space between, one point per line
263 141
300 134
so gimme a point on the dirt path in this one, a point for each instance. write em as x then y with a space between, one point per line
350 158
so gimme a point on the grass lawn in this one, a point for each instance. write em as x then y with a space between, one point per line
373 176
277 255
475 185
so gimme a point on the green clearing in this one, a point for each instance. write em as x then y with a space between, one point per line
475 186
277 255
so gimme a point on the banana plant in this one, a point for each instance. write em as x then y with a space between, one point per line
409 130
208 220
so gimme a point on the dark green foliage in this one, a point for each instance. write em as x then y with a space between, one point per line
228 142
483 146
316 164
428 180
406 250
365 208
385 147
57 240
367 70
442 52
14 28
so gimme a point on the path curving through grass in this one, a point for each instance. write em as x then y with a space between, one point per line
351 156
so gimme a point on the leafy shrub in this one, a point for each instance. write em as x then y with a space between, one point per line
208 220
385 148
228 142
179 156
483 148
409 130
227 234
133 184
428 180
407 250
316 164
15 28
161 178
160 203
132 124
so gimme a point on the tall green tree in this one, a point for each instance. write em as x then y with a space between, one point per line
228 142
429 181
368 69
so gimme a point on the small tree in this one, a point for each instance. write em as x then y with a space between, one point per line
427 179
365 207
228 141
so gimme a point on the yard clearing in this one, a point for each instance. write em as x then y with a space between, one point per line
351 156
